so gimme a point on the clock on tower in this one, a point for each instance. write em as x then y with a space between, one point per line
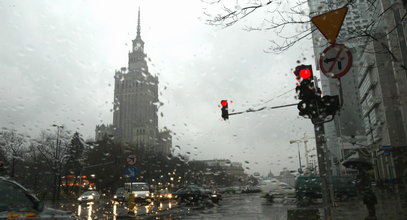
137 46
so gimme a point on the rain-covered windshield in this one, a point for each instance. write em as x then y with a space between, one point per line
238 109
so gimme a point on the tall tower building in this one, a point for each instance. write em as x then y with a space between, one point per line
135 119
135 98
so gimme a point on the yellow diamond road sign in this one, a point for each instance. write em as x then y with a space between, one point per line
330 23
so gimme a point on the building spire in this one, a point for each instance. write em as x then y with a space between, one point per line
138 24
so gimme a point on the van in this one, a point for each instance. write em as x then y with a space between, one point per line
310 187
140 190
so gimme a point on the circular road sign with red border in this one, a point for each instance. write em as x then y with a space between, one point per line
335 61
131 159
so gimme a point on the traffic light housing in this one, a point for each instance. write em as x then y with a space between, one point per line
309 95
304 72
330 104
312 104
225 110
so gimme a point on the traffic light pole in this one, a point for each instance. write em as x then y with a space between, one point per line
324 169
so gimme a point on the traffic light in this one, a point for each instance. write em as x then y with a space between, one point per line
304 72
312 104
330 104
309 95
225 110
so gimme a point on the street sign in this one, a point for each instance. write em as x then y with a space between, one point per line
330 23
386 147
131 159
335 61
131 171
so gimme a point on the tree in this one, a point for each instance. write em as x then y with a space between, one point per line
14 146
53 149
75 161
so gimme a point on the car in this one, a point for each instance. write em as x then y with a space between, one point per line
138 192
162 195
89 196
119 195
16 202
214 195
251 189
268 184
195 194
282 190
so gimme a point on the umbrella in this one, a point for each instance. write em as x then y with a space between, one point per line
357 163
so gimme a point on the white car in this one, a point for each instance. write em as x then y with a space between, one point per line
267 185
282 190
89 196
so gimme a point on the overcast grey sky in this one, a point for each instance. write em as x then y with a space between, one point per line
57 62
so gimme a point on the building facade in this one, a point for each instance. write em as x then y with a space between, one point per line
382 86
135 120
345 134
375 88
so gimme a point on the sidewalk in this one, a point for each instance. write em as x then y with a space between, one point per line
391 206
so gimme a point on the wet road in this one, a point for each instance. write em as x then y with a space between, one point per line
391 206
241 206
235 206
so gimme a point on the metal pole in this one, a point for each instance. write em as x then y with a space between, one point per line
80 183
299 155
56 167
323 165
59 163
306 154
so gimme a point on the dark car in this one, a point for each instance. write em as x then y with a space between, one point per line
18 202
119 195
214 195
194 194
162 195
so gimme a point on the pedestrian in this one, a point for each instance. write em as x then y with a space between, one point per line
370 200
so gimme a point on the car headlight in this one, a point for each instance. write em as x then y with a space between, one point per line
115 197
91 197
80 199
214 195
169 196
147 195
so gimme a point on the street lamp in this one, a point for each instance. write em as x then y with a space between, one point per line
57 164
299 154
305 140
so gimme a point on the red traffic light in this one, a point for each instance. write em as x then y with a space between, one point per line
305 73
224 103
